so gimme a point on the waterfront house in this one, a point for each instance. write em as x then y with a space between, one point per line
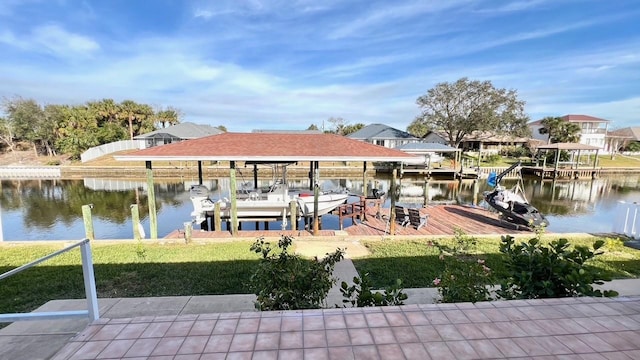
479 141
175 133
383 135
593 130
620 139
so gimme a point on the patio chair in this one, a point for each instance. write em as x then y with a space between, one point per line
401 216
416 219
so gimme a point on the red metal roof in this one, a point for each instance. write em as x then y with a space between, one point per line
583 118
574 118
270 147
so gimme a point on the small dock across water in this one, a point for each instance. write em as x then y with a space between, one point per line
442 220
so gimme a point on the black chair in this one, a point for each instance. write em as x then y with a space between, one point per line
401 216
416 219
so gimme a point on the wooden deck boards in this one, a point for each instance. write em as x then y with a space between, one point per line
443 220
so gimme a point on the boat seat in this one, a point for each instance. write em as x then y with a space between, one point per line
401 215
416 219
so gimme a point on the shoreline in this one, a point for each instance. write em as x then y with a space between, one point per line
294 172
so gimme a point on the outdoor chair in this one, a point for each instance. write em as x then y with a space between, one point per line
416 219
401 216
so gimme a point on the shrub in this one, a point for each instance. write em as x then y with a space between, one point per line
360 294
538 271
54 162
465 278
285 281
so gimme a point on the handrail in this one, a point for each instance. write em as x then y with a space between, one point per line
89 287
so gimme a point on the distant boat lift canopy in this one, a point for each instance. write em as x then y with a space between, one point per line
569 147
267 147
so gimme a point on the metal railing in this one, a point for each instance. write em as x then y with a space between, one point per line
89 288
627 220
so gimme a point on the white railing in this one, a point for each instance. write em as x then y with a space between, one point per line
627 219
89 288
30 172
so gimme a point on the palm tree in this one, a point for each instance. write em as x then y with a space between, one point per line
560 130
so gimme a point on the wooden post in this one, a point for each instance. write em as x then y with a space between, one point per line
255 177
151 193
364 190
476 190
555 168
425 191
217 218
135 222
88 222
316 194
293 207
393 197
234 201
199 172
188 232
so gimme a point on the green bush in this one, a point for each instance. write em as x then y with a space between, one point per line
360 294
556 270
285 281
465 278
54 162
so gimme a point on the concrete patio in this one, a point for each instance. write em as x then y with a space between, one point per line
219 326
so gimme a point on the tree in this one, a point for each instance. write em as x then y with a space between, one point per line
167 117
560 130
139 117
461 108
222 128
30 122
6 134
312 127
337 125
350 129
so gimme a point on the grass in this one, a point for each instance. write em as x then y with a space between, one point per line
130 270
126 270
417 263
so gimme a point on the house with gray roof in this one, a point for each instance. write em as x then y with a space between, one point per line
621 138
383 135
175 133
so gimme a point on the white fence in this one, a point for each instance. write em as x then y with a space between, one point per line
627 219
47 172
98 151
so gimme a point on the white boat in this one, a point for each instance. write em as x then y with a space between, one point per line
326 202
275 204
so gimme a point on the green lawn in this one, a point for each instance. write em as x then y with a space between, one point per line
225 268
165 270
417 263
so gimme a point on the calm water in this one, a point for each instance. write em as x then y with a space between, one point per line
51 209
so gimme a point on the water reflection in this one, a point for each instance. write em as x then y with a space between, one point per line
51 209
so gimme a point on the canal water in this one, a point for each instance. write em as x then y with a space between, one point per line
51 209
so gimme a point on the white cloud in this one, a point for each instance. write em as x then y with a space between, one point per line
52 39
390 12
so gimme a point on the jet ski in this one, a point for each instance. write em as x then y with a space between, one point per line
512 203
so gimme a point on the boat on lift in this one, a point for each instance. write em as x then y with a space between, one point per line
511 204
275 203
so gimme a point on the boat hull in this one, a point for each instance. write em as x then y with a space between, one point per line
516 212
326 203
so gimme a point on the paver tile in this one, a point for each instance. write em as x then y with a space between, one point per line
360 336
383 335
338 337
291 340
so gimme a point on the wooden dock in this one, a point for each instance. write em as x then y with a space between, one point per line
442 220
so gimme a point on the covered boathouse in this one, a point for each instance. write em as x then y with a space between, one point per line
272 147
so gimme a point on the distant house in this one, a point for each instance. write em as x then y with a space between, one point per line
621 138
428 153
593 130
482 141
383 135
175 133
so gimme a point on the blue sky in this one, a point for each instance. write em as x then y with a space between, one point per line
259 64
